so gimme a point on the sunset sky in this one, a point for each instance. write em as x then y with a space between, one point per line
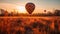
41 5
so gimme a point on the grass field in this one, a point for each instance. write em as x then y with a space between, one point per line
30 25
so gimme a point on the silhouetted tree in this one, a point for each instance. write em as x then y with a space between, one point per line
57 12
49 13
2 12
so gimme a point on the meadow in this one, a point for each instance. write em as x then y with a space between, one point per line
30 25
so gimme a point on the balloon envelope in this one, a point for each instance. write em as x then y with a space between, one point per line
30 7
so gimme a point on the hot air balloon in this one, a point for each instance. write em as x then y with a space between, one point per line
30 7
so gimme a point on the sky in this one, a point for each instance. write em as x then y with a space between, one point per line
41 5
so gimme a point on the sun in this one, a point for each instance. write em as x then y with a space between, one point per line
21 9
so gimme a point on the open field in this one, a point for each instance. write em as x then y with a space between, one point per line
30 25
